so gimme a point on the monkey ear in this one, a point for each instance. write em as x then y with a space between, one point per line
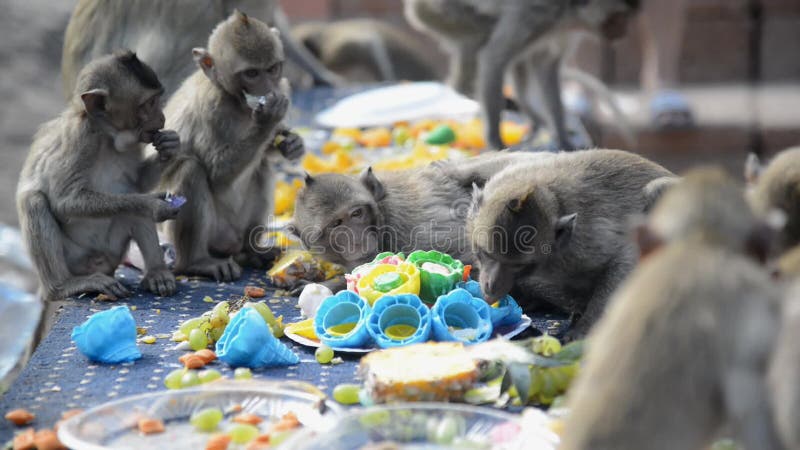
308 179
371 182
241 16
477 200
94 101
647 240
515 204
752 168
564 227
204 60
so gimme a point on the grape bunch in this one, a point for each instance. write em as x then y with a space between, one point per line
548 381
205 330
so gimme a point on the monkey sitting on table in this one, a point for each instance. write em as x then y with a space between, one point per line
530 37
683 347
81 196
556 232
223 169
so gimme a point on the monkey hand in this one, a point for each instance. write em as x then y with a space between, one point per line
167 143
272 111
161 209
159 281
292 146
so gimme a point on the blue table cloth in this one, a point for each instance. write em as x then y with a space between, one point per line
58 377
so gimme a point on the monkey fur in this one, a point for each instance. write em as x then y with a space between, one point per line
224 168
681 353
81 197
777 187
556 231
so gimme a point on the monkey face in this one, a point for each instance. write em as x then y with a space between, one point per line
261 80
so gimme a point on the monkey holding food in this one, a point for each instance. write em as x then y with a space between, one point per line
556 232
487 38
163 32
228 114
82 195
682 350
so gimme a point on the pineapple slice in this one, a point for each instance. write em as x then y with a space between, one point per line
433 371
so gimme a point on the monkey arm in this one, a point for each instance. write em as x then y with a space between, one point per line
225 163
150 173
84 202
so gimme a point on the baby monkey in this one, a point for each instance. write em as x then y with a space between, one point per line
228 115
81 196
776 186
556 230
682 350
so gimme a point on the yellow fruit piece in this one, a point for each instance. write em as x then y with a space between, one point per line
423 126
339 162
512 133
347 133
285 194
470 135
330 147
376 137
303 328
149 339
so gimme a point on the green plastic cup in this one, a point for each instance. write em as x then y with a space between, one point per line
439 273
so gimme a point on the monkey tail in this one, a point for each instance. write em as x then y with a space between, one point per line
302 56
380 55
601 91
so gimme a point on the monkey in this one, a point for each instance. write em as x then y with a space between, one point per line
526 38
224 169
82 195
556 232
164 33
367 50
777 187
348 220
682 350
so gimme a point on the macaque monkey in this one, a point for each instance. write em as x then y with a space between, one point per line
348 220
367 50
224 170
777 187
82 195
163 32
524 38
556 231
680 355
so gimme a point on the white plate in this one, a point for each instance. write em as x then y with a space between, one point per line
507 332
402 102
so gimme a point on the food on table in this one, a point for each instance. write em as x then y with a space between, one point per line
439 273
150 426
389 279
24 440
148 339
192 361
288 421
504 312
247 418
375 137
303 328
207 355
248 342
346 393
198 339
323 354
209 375
420 372
190 378
47 440
399 320
312 296
546 345
441 135
218 442
300 265
242 373
254 291
108 336
341 161
458 316
285 194
206 419
242 433
341 321
20 417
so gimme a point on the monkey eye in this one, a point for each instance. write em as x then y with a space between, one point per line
251 73
358 212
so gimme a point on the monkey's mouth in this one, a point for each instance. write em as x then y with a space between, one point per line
147 136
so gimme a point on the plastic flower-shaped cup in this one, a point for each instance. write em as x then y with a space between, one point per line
399 320
439 273
108 336
341 321
359 272
458 316
389 279
504 312
248 342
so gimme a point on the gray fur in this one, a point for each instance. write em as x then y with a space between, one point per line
777 187
526 38
526 237
81 196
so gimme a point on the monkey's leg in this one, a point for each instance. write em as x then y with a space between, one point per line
605 286
300 55
157 277
261 195
45 242
463 69
749 411
526 95
511 35
191 230
549 85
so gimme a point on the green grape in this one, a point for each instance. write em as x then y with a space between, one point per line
209 375
448 429
264 310
190 379
242 434
548 385
324 354
221 310
372 419
537 381
206 419
346 394
546 345
242 373
173 379
216 333
560 378
198 339
191 324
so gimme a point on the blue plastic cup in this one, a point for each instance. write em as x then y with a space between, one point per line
335 316
458 316
398 320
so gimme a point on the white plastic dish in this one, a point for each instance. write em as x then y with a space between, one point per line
113 425
401 102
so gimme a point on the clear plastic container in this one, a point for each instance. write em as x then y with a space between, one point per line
19 316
